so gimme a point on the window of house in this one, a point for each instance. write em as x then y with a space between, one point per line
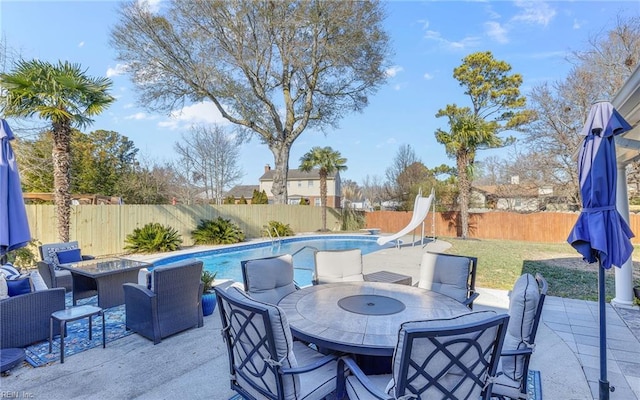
310 183
299 183
518 202
317 202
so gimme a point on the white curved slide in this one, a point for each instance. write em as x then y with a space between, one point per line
420 210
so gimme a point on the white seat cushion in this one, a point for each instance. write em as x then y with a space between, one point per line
338 266
523 303
445 274
270 279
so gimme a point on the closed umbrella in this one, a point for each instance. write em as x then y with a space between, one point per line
14 226
600 234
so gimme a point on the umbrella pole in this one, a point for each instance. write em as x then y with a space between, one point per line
603 383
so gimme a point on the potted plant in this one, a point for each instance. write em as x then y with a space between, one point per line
208 295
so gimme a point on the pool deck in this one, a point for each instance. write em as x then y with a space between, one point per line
193 364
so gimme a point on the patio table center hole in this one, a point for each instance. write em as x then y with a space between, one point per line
371 304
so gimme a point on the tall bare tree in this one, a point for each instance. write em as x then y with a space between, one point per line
210 157
405 156
272 68
561 107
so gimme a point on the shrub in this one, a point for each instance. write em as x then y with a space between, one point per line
207 279
351 220
217 231
274 226
153 237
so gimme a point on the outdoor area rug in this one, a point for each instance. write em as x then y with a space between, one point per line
534 387
77 339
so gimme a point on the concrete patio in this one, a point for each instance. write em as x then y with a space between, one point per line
193 364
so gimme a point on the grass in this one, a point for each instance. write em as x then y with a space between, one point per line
501 262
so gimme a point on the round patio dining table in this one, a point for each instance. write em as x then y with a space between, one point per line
362 317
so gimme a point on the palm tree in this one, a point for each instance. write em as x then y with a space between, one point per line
64 95
329 161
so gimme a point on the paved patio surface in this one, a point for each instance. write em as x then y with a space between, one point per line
193 364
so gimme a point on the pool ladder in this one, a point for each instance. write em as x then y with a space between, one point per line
277 236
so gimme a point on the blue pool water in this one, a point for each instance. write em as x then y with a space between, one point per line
226 261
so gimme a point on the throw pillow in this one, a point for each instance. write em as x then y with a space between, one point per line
4 290
69 256
9 270
37 281
19 286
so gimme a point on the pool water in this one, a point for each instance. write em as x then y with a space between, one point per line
226 261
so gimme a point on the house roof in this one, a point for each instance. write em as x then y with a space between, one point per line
296 174
242 190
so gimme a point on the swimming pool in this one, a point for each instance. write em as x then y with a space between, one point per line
226 261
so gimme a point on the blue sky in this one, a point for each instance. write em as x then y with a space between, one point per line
429 38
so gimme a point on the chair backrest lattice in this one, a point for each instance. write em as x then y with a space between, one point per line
450 358
256 354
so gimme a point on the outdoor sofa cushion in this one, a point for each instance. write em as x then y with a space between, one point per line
523 303
4 290
445 274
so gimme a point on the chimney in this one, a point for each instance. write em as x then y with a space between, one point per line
267 168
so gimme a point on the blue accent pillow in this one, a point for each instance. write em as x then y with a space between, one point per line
69 256
19 286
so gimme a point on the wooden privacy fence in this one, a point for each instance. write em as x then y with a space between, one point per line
102 229
548 227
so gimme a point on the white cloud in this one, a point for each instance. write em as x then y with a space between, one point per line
465 43
81 44
397 87
128 105
577 24
427 76
118 70
393 71
200 113
496 31
138 116
534 12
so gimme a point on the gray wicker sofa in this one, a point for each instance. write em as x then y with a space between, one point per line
24 319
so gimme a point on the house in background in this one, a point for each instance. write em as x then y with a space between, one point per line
240 191
516 196
304 185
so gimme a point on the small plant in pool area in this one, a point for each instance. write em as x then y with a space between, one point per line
153 237
207 279
217 231
276 228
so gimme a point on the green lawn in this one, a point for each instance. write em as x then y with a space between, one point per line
500 263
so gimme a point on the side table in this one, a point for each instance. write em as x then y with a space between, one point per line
73 314
388 277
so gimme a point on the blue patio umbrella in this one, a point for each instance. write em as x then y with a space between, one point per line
14 226
600 234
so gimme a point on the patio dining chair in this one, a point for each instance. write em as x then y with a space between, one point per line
525 309
54 254
264 360
454 358
450 274
333 266
269 279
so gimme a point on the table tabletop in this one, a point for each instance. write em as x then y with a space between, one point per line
104 266
362 317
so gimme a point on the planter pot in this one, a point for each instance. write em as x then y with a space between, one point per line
208 303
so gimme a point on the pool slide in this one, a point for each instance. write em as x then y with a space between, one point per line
420 210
